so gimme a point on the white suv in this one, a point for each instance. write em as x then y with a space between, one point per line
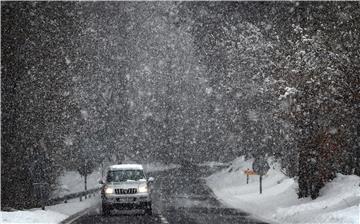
126 187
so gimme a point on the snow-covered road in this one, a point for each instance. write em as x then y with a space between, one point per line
179 197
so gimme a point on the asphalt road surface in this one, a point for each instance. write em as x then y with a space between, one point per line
179 196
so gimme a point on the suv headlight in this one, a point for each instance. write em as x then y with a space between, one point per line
143 188
109 190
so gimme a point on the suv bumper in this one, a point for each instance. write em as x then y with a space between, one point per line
139 200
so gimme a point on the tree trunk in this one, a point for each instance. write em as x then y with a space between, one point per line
85 182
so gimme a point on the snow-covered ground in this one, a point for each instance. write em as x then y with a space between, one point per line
52 214
338 201
69 182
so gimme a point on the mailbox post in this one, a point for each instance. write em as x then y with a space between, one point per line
247 178
248 173
261 167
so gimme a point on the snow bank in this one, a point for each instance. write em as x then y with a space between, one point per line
51 214
70 182
338 201
38 216
75 205
73 182
213 164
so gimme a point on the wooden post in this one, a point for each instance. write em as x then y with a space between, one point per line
42 204
42 196
260 184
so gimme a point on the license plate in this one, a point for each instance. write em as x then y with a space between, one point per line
124 200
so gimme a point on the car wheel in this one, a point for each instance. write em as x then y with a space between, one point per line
105 210
148 209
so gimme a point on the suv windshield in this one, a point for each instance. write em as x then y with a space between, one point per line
124 175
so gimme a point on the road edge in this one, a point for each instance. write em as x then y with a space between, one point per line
77 215
252 216
211 192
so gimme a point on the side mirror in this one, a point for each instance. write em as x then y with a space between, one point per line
151 179
101 181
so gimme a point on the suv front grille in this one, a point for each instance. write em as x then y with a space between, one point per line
126 191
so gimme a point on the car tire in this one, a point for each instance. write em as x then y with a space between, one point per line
148 209
105 210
